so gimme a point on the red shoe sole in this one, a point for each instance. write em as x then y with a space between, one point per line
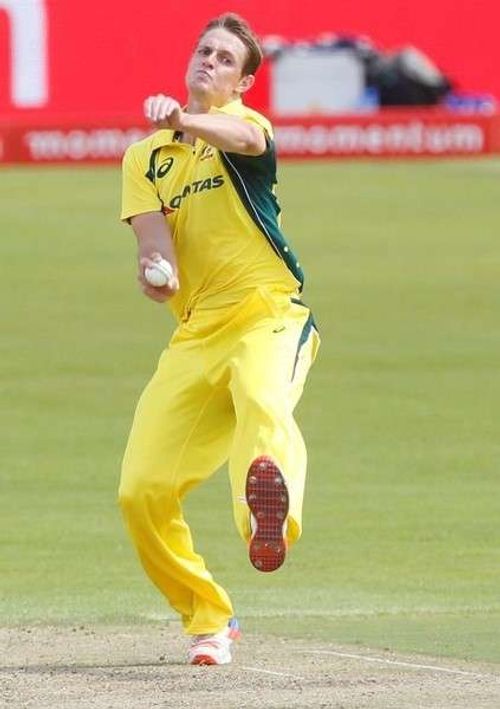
203 660
267 498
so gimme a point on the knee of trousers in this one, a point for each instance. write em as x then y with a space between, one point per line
140 494
266 408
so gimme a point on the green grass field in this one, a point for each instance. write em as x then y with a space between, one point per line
401 546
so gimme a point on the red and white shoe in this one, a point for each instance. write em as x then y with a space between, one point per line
267 498
214 649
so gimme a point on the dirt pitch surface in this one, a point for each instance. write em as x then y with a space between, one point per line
141 668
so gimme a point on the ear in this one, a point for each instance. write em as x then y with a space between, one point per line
246 82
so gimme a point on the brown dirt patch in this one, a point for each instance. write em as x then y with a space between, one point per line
143 668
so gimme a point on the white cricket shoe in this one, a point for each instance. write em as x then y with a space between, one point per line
214 649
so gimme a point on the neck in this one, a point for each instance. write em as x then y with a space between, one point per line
196 104
203 104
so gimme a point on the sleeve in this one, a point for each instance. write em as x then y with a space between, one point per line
264 164
139 194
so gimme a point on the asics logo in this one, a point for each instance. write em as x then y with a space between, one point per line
164 167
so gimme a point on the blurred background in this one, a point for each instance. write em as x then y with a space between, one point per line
401 544
72 69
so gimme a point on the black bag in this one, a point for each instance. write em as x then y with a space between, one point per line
406 78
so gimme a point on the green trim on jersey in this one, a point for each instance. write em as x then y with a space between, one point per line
309 325
151 173
253 178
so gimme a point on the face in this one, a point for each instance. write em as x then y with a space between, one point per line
214 72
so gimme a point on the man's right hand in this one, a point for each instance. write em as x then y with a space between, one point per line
154 242
160 294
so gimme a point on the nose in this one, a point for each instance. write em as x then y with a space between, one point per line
208 60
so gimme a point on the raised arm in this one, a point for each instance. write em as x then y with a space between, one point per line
228 133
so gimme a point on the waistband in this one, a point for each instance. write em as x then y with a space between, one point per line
259 303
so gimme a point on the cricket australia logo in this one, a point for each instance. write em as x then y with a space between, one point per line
206 153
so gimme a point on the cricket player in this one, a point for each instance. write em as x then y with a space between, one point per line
199 192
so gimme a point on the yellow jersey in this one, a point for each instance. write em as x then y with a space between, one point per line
222 212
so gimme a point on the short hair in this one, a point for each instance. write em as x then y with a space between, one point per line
240 28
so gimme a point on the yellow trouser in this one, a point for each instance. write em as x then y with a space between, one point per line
225 387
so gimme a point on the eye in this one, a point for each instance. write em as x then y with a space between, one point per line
204 51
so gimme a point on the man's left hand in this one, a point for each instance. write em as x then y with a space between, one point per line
163 111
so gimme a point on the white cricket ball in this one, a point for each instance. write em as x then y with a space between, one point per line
159 274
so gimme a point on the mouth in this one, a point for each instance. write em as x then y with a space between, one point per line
203 74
